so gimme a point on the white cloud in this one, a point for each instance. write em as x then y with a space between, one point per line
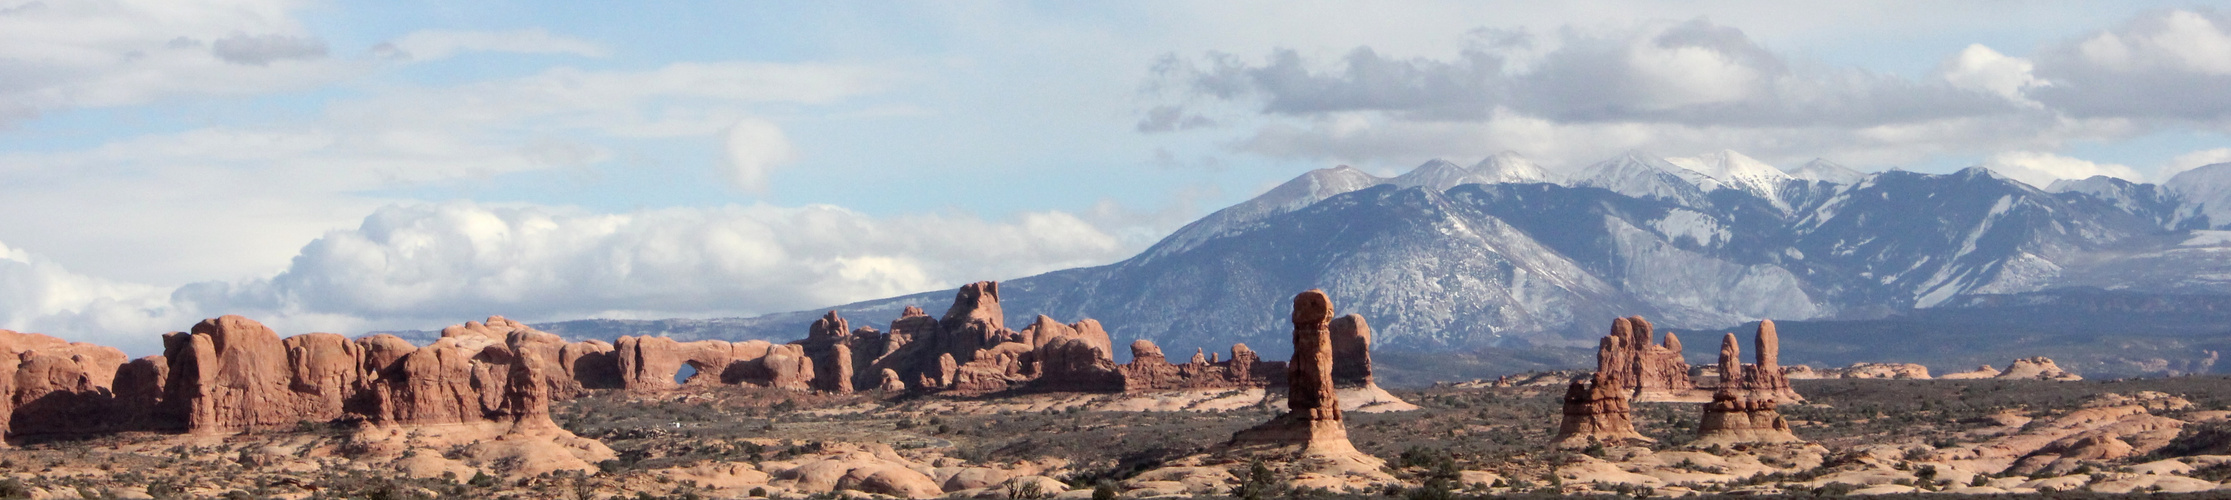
441 44
227 202
2041 169
2176 40
2170 65
422 264
1980 68
37 295
755 147
62 55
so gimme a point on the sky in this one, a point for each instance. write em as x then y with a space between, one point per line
359 166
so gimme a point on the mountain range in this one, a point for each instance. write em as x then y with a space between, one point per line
1505 254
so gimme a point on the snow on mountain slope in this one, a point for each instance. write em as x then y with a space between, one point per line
2206 192
1437 175
1518 263
1827 171
1643 176
1303 191
1735 171
1507 166
2145 200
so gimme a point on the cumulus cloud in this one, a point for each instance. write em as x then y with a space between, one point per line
38 295
439 262
1980 68
1701 86
2041 169
286 183
2169 64
1693 73
441 44
754 147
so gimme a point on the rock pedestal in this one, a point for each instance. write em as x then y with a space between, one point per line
1596 411
1313 420
1736 416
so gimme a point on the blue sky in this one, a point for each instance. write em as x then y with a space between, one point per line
347 166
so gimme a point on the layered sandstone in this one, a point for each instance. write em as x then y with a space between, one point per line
1764 379
1313 420
49 385
1734 417
1596 408
970 351
1646 369
1902 371
2036 368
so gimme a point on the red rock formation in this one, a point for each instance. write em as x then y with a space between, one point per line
891 382
1351 350
49 385
232 373
1595 412
1731 418
1597 408
1764 380
1647 370
1313 420
1734 416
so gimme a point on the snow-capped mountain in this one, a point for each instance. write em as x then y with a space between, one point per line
1641 175
1827 171
1735 171
1507 167
2205 192
1716 243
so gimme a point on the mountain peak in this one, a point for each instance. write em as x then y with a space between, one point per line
1642 175
1827 171
1435 174
1739 172
1508 166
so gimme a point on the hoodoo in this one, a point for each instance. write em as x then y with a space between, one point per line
1734 416
1312 419
1596 408
1643 368
1312 434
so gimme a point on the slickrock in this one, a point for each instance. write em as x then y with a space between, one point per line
1733 417
2036 368
2107 427
1647 370
1980 372
1904 371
